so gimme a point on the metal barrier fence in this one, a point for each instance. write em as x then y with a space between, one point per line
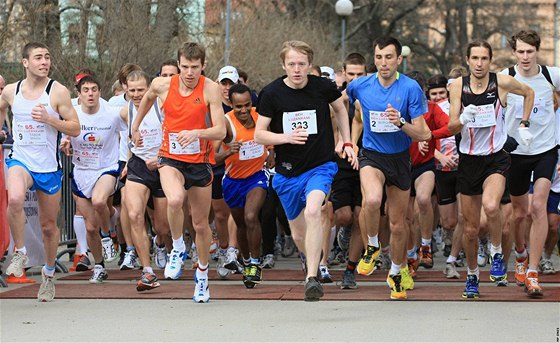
67 208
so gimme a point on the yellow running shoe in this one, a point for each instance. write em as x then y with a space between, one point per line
407 281
397 291
367 262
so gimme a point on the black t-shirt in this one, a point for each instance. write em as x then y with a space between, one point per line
308 107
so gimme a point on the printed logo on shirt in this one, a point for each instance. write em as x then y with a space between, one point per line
90 138
197 101
490 95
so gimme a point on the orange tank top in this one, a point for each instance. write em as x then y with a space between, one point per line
251 156
186 113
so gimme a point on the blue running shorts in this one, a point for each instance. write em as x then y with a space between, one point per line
236 190
49 183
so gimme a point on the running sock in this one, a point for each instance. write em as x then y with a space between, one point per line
224 247
426 241
81 233
22 250
495 249
351 266
529 270
451 259
386 250
48 271
373 240
202 271
395 268
179 244
130 248
255 260
521 254
246 261
104 234
475 271
148 270
411 253
102 263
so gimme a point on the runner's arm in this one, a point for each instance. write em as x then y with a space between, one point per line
69 124
455 106
511 85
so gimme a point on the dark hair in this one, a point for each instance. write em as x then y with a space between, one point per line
169 62
479 44
87 79
371 68
418 77
436 81
316 68
355 59
385 41
30 46
238 88
528 36
243 75
192 51
125 70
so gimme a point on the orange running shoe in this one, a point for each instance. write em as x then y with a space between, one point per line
426 259
412 266
532 286
521 270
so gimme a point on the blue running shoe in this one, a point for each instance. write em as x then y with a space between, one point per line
471 287
497 269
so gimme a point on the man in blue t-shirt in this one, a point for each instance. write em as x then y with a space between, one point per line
392 106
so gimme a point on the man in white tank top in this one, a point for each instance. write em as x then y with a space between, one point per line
477 103
537 160
42 110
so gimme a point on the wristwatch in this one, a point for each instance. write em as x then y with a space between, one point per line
402 121
526 123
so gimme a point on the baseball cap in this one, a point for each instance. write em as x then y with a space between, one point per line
228 72
328 72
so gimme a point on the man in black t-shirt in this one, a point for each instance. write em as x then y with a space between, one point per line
296 108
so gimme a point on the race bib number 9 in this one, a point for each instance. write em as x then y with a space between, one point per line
31 133
307 120
379 122
176 149
485 117
250 150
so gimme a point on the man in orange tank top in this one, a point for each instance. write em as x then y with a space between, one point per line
193 119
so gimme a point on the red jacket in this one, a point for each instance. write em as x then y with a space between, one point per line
437 121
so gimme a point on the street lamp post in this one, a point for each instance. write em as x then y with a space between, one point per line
227 47
343 8
405 52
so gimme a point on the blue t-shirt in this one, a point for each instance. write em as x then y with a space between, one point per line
404 94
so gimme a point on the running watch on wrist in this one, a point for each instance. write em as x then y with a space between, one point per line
526 123
402 121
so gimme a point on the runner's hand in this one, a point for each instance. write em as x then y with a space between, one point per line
352 158
525 135
423 147
65 146
298 136
234 147
468 114
186 137
137 139
151 163
448 162
39 114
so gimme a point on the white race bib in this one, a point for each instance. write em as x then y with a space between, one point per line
444 106
176 149
151 138
31 133
379 122
250 150
537 109
306 119
485 117
86 159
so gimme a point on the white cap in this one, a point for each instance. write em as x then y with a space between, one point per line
328 71
228 72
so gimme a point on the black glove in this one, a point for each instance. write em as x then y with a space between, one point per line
510 144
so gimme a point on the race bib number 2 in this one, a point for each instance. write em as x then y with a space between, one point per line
379 122
305 119
31 133
176 149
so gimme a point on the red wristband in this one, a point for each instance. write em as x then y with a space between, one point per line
348 145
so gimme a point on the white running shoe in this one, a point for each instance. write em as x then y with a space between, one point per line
223 272
17 265
130 261
482 257
46 290
546 266
231 259
160 257
174 267
268 261
451 271
109 252
99 275
201 291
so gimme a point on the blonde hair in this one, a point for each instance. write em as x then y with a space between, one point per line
298 46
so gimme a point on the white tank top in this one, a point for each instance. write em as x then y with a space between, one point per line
35 144
150 129
97 146
119 102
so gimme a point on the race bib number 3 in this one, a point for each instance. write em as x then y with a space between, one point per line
305 119
379 122
485 117
176 149
250 150
31 133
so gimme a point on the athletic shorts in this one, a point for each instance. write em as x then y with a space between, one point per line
552 203
522 166
418 170
84 181
121 180
138 172
293 190
474 170
236 190
395 167
195 174
506 198
49 183
346 190
446 187
217 190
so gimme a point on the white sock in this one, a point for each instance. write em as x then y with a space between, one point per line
148 270
495 249
179 244
81 234
22 250
395 268
475 271
373 240
426 241
412 253
451 259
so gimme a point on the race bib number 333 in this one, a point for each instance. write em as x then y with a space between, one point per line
305 119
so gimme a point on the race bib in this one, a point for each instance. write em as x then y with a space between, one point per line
379 122
151 137
444 105
250 150
86 159
176 149
485 117
306 119
537 109
31 133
